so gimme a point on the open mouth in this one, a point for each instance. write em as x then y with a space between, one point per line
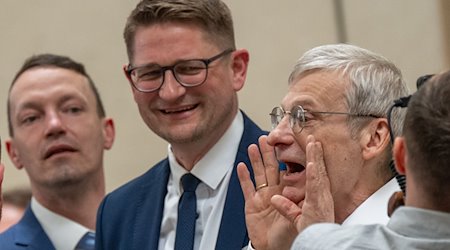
179 110
293 168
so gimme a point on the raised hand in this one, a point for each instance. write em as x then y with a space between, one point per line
318 205
267 228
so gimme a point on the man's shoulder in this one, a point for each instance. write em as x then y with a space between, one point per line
251 132
26 231
250 126
158 171
7 238
335 236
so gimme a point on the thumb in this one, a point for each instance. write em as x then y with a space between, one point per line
287 208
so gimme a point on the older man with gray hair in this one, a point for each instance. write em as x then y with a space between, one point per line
337 99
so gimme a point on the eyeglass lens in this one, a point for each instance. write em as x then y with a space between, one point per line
188 73
296 117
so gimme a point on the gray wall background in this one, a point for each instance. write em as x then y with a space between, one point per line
412 33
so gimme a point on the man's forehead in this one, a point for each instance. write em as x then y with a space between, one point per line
35 84
317 89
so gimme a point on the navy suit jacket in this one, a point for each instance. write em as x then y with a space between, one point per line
130 217
27 234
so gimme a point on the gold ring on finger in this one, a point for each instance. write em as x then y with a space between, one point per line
261 186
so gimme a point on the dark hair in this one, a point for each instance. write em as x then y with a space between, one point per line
427 136
57 61
211 15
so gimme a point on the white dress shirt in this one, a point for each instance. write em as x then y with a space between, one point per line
62 232
214 170
373 210
408 228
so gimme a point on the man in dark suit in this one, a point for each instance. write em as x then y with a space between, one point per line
58 134
184 71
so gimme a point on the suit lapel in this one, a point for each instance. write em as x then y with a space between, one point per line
232 232
150 207
29 233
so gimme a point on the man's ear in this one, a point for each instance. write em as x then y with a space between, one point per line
240 59
109 132
400 156
125 72
375 138
13 154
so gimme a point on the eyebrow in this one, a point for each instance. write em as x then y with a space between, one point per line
32 104
300 102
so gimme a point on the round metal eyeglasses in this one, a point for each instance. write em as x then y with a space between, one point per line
298 116
188 73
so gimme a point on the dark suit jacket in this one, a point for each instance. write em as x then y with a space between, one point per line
27 234
130 217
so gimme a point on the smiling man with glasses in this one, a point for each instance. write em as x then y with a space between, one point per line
185 72
335 114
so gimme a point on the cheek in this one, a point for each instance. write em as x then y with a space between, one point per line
341 163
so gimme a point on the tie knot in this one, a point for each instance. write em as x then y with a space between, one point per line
189 182
87 242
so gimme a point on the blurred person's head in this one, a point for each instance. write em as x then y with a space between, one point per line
15 202
422 153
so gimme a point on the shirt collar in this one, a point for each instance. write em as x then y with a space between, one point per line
62 232
420 223
374 208
222 155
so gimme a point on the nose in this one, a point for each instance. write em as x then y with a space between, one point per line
171 89
54 125
282 134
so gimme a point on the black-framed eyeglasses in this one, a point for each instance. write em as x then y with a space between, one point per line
298 116
188 73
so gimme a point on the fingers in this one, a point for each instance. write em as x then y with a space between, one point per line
287 208
2 170
246 183
257 165
316 174
318 205
271 165
265 168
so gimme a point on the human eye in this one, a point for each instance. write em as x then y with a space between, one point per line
308 116
149 73
191 67
276 115
72 108
28 118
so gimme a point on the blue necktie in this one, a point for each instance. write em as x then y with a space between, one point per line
187 214
87 242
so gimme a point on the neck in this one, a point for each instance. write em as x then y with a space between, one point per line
347 203
77 202
417 197
190 153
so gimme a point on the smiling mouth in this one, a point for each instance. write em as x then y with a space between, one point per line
179 110
293 168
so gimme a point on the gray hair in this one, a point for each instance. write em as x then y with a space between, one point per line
375 82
